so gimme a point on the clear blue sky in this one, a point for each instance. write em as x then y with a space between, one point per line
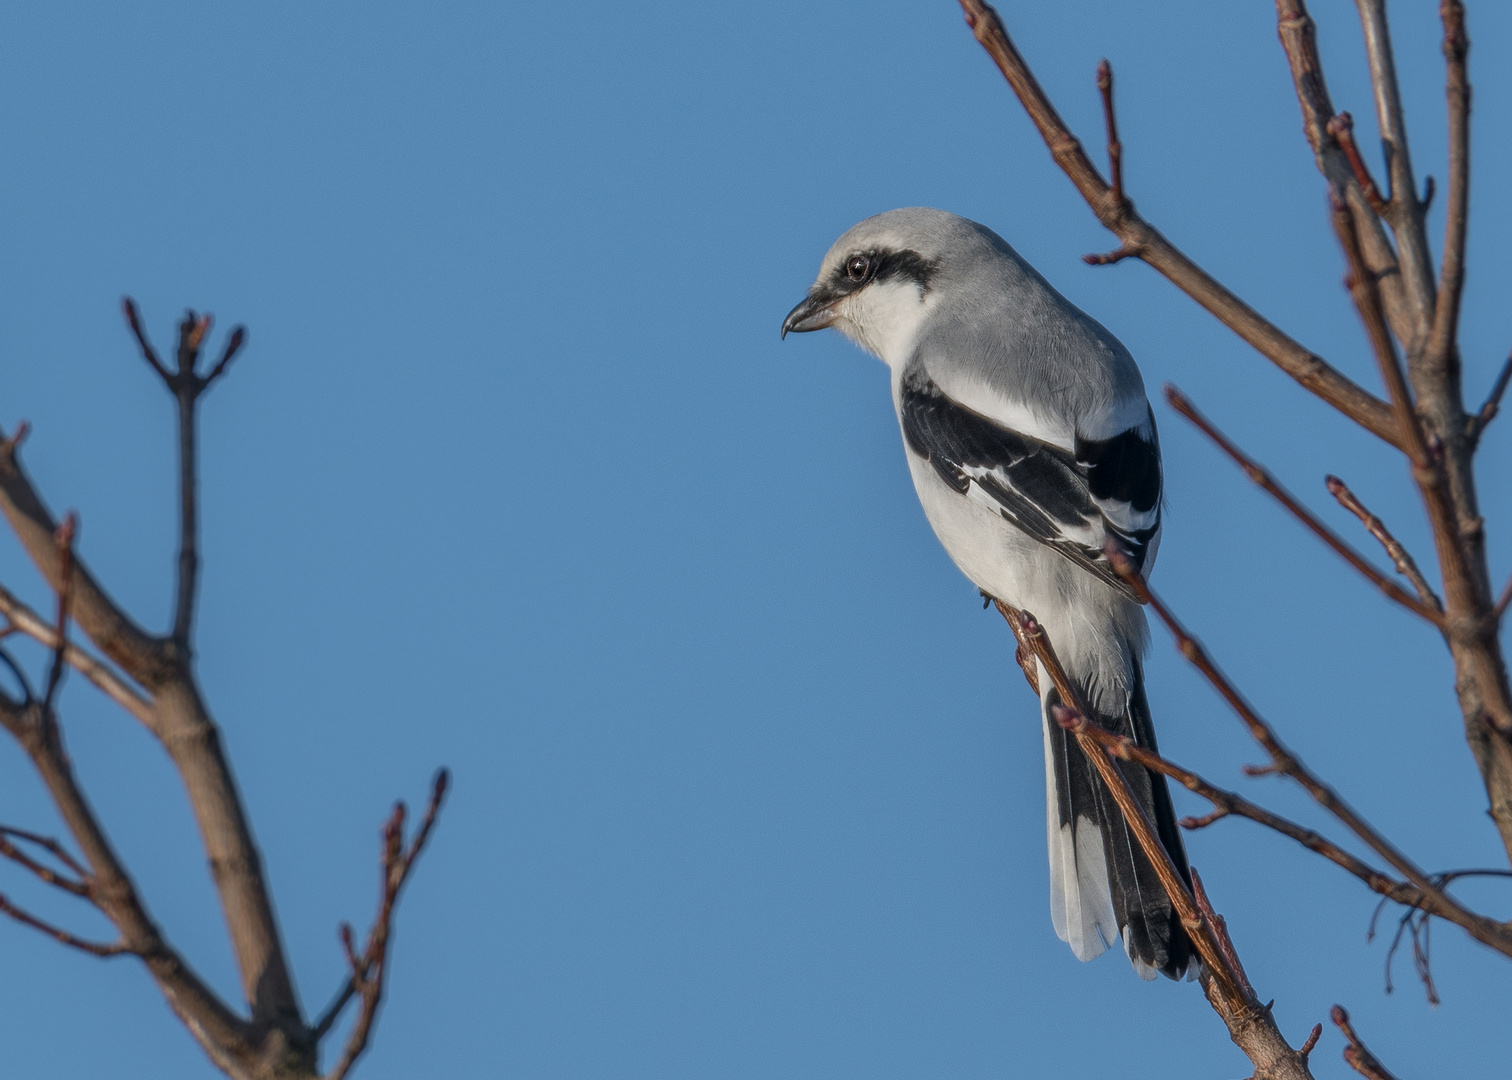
516 476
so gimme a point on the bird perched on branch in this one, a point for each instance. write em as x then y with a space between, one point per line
1031 444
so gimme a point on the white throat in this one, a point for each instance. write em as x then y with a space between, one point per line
884 319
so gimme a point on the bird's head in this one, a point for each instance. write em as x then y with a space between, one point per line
879 282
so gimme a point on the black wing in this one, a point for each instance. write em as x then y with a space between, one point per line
1067 501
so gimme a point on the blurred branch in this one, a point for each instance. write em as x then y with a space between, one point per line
1356 1055
369 968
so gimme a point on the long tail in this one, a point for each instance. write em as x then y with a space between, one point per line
1102 886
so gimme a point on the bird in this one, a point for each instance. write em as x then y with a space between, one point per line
1031 445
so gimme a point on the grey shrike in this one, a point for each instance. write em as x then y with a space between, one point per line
1030 441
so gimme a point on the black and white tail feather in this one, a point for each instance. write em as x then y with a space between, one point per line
1031 445
1103 887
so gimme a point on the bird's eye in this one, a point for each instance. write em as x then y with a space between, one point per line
858 267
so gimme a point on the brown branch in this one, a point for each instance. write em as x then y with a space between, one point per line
1456 210
1400 557
1504 599
1074 716
1115 148
233 346
1227 803
58 934
369 968
1492 405
1263 479
64 541
78 886
112 684
1341 127
1283 761
1221 935
106 624
133 320
1356 1055
1403 213
1299 39
223 1035
1143 240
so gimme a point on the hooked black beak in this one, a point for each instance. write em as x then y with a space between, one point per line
814 312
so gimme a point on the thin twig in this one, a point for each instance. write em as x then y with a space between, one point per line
1404 213
1456 210
64 540
1074 716
233 346
1400 557
128 305
110 682
1356 1055
1299 39
369 968
1115 148
78 885
1341 127
61 936
1487 931
1488 411
1263 478
1504 599
1141 239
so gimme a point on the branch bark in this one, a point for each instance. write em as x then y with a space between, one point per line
1142 240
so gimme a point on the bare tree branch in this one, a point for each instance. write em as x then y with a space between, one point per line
107 625
1356 1055
1285 763
368 969
1456 210
1341 127
58 934
112 891
1299 39
112 684
78 885
1492 406
1399 555
1263 479
1403 211
1143 240
64 541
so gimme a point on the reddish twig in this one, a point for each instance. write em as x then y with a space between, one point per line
133 319
1221 935
1356 1055
1074 716
1142 240
1504 599
1492 406
369 967
1341 127
79 886
61 936
23 619
1115 148
1404 562
1451 284
1261 477
233 346
1487 931
64 541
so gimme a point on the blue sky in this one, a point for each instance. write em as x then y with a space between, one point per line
515 476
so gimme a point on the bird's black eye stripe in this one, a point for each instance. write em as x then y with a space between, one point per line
863 267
